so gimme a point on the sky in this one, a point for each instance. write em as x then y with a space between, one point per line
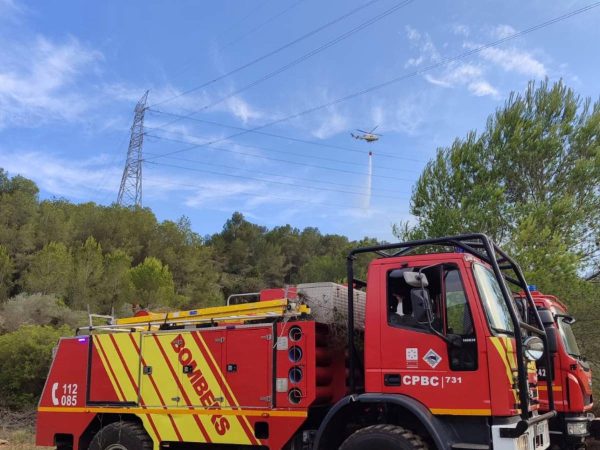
71 73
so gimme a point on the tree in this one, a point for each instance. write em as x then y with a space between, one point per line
115 287
153 283
50 270
530 180
18 211
195 273
87 273
323 268
6 274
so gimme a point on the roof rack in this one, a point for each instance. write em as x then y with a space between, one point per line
271 309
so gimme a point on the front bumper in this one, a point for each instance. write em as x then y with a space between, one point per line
512 437
578 425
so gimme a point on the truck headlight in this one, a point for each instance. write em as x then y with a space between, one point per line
534 348
577 428
523 442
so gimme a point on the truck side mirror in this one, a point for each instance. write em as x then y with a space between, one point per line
416 279
552 339
546 316
419 299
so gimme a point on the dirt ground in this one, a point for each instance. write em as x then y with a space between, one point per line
17 430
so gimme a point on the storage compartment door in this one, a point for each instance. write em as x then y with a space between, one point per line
248 365
161 377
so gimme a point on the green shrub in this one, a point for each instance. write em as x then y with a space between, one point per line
25 357
38 309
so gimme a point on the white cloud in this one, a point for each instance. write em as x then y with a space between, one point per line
461 30
425 46
405 115
503 31
64 177
482 88
331 123
242 109
467 75
514 60
9 9
474 76
412 34
37 81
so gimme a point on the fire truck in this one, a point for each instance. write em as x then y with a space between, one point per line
429 352
570 372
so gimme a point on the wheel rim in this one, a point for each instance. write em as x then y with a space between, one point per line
115 447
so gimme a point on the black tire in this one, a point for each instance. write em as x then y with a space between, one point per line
121 436
384 437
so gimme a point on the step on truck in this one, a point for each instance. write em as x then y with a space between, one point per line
429 352
570 373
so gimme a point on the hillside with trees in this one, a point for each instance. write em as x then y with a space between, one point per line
59 259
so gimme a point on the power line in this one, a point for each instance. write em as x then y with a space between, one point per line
248 14
302 58
302 155
289 177
279 136
271 53
334 169
270 195
262 24
441 63
262 180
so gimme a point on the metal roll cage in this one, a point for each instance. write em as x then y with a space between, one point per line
482 247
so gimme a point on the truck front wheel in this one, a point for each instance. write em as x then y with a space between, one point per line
384 437
121 436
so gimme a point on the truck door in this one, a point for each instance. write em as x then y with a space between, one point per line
161 375
433 357
248 365
181 368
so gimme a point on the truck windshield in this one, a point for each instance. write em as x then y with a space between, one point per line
568 338
495 307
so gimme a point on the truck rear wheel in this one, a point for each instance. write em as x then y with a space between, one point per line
121 436
384 437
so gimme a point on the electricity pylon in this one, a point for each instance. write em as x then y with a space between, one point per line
130 192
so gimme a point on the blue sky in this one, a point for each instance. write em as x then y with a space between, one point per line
71 73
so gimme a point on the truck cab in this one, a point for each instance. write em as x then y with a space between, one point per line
570 372
443 335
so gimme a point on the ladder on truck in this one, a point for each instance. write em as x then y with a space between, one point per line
239 313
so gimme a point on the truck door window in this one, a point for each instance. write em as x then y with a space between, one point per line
401 310
458 316
459 321
495 307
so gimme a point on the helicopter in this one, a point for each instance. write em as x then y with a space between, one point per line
368 136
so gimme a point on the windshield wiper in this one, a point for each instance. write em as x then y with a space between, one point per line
502 330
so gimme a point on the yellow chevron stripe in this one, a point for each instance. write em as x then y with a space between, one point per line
504 357
107 369
224 381
179 411
235 434
132 363
168 389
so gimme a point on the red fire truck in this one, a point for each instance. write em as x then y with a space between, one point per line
570 372
434 356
